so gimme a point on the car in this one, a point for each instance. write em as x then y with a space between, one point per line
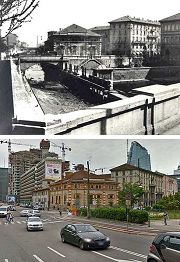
165 248
4 210
35 213
85 236
34 223
24 213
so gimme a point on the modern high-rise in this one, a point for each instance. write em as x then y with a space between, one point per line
4 181
139 156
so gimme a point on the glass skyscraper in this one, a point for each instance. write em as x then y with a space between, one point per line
138 156
4 181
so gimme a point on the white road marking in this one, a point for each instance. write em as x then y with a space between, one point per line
128 252
6 260
114 259
56 252
18 222
53 222
38 258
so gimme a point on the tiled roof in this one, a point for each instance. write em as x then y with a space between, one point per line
97 28
171 18
133 19
76 29
131 167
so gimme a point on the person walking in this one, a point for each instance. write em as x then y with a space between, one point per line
10 217
165 215
60 211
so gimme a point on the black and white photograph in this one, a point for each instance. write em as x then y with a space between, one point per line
89 68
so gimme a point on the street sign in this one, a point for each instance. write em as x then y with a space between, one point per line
128 203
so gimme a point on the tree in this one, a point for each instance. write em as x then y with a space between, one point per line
13 13
133 191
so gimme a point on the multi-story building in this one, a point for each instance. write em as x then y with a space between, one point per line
133 36
39 177
74 40
170 39
155 184
21 162
139 156
4 181
177 176
73 190
104 32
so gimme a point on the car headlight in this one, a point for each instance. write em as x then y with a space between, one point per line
87 240
107 239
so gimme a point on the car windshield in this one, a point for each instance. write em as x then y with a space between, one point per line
3 209
34 219
85 228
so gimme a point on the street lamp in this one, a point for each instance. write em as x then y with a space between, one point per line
88 195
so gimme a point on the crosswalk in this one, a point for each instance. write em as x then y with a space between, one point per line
19 222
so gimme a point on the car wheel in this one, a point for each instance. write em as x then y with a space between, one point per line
63 239
152 260
27 229
81 245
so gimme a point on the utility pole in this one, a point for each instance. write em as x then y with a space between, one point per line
88 195
0 26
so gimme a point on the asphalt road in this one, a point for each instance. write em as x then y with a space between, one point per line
18 245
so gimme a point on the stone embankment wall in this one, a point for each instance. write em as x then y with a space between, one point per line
153 110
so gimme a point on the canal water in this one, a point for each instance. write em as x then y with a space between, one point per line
52 96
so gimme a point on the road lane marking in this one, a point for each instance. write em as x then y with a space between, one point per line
56 252
18 222
114 259
128 252
6 260
38 258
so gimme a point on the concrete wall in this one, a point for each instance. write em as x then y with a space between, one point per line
125 117
6 101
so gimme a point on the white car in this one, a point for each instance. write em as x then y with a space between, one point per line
35 213
34 223
4 210
24 213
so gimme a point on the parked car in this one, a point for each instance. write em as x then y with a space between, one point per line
4 210
165 248
34 223
24 213
35 213
85 236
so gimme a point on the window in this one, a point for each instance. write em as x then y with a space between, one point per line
174 243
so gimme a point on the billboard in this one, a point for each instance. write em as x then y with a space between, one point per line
11 199
53 171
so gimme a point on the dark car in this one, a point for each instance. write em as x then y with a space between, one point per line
165 248
85 236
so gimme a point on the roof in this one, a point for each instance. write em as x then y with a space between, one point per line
135 20
99 28
131 167
76 29
171 18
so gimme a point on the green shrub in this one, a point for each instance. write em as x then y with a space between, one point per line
135 216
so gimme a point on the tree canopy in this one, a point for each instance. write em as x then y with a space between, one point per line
13 13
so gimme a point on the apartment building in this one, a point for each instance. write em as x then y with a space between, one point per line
39 177
133 36
170 39
155 184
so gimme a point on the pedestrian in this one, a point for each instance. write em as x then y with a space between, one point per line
10 217
60 211
165 215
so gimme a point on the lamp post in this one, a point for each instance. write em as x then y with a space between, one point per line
88 195
0 26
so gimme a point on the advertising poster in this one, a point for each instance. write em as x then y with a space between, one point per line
53 171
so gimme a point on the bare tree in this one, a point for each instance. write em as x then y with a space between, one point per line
13 13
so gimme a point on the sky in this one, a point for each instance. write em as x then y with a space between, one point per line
106 153
55 14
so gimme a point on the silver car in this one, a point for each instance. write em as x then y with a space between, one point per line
35 213
165 248
34 223
24 213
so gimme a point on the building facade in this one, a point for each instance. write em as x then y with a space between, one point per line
170 39
4 182
177 176
134 37
139 156
39 176
72 191
104 32
74 40
155 184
